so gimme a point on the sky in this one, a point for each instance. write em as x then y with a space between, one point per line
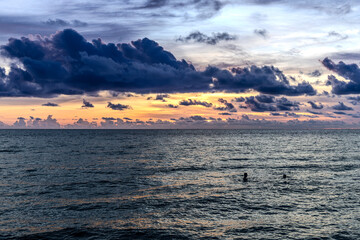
180 64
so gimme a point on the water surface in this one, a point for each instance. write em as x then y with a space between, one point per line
179 184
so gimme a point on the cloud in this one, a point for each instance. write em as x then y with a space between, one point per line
265 98
354 100
203 38
239 99
341 113
172 106
118 106
33 122
50 104
315 106
290 114
161 97
201 9
82 124
20 123
262 33
198 118
315 73
350 72
283 104
190 102
257 106
266 79
65 63
87 104
63 23
328 7
342 107
228 106
263 103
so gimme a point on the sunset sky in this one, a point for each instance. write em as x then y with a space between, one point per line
180 64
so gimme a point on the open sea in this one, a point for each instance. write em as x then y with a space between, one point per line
179 184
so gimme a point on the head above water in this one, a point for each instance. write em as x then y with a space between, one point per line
245 177
284 176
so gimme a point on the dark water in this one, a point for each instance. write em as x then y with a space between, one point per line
179 184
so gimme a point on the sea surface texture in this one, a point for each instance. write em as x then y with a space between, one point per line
179 184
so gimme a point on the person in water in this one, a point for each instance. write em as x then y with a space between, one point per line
284 176
245 177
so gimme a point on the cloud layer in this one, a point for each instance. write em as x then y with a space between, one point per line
66 63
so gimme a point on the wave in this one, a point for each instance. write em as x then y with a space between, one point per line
102 233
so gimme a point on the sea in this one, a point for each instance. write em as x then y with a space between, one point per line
179 184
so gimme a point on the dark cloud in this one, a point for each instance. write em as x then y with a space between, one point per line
50 104
172 106
266 103
288 114
161 97
267 80
283 104
315 106
118 106
257 106
65 63
198 118
313 112
262 33
341 113
315 73
225 114
350 72
190 102
265 98
342 107
228 106
203 38
239 99
354 100
87 104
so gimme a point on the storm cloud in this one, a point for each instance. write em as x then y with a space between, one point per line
266 79
350 72
66 63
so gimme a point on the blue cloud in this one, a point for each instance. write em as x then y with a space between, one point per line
66 63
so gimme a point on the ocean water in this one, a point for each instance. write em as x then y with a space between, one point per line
179 184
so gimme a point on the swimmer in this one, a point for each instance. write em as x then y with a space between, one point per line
284 176
245 177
